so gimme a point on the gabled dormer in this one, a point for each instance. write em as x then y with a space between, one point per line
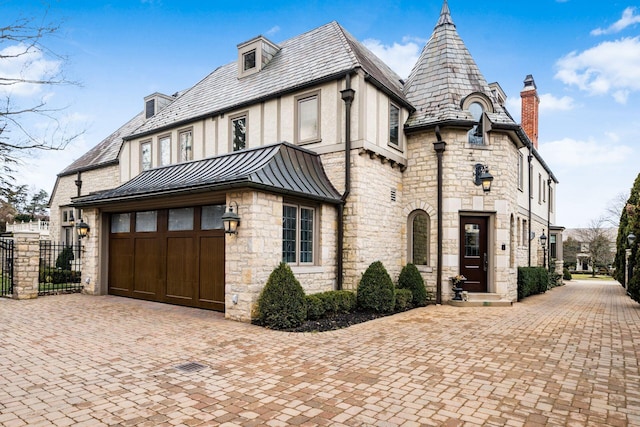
154 103
254 54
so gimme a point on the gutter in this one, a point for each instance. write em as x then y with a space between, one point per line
529 239
440 147
348 95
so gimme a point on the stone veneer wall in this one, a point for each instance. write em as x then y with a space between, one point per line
460 194
256 251
91 277
94 180
26 266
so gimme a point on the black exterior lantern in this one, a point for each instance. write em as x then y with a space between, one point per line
482 177
231 220
83 229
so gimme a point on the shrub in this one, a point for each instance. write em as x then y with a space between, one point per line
403 299
64 258
58 276
531 281
376 290
281 304
410 278
315 307
338 301
566 274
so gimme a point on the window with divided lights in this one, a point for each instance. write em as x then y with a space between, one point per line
186 146
249 60
308 119
145 155
239 133
419 224
394 122
298 230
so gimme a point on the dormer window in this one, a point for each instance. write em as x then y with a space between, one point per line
150 108
154 103
254 55
249 60
477 105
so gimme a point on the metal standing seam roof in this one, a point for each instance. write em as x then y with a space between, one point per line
281 168
443 76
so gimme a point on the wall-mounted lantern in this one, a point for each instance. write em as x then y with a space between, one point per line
481 176
83 229
631 239
231 220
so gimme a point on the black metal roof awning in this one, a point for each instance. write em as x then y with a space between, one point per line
280 168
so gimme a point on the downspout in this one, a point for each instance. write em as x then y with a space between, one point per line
530 158
439 147
348 95
549 225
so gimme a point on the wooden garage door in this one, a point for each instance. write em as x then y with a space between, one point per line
174 256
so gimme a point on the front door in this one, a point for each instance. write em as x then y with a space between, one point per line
474 258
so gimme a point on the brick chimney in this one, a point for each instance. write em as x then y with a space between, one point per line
530 101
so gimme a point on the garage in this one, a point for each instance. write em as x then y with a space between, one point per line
174 256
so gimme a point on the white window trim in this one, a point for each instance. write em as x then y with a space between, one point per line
146 142
180 133
400 144
297 99
160 138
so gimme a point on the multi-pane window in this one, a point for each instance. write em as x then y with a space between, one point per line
298 233
308 119
186 146
180 219
472 240
120 223
165 150
550 199
239 133
249 60
475 135
419 223
540 188
394 120
553 247
146 221
145 155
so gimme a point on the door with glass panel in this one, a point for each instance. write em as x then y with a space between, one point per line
474 256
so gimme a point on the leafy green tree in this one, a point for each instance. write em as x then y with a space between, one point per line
629 223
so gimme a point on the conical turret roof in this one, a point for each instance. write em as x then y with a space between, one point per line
444 75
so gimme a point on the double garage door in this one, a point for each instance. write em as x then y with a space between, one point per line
174 256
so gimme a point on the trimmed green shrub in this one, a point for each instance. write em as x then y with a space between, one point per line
410 278
281 304
57 276
566 274
403 299
338 301
376 290
64 258
315 307
531 281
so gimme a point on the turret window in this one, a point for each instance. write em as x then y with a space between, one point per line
475 135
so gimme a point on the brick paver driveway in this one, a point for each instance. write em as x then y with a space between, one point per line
568 357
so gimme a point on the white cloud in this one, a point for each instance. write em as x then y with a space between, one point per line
570 153
628 18
401 57
549 103
24 63
610 67
273 30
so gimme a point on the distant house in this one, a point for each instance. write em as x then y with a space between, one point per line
331 161
581 237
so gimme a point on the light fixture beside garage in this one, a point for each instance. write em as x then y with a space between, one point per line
231 219
83 229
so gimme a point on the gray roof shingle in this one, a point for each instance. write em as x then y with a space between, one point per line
322 53
281 168
443 76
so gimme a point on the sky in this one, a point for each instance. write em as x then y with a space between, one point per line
584 56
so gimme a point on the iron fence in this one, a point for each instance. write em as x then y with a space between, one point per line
60 268
6 259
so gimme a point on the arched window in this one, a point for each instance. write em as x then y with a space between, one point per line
476 133
419 231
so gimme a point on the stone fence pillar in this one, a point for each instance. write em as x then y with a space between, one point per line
26 264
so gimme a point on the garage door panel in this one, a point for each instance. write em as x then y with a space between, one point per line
121 267
182 268
212 271
147 268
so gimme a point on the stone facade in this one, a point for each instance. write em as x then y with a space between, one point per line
26 264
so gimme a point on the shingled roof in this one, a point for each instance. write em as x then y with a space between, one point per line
281 168
325 53
444 75
106 152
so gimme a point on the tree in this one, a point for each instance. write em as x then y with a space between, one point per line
600 250
29 68
615 207
570 248
629 223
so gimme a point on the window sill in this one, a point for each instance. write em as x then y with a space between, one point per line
397 148
424 268
477 146
307 269
310 141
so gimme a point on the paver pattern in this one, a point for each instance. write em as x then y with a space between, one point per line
565 358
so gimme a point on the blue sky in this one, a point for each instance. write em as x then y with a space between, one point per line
584 56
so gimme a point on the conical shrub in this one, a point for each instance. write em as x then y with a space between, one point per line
410 278
376 290
281 304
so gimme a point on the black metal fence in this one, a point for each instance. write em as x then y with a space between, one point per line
6 259
60 268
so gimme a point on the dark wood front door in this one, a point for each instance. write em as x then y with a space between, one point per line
474 258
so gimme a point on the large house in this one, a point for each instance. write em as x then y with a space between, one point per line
330 161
